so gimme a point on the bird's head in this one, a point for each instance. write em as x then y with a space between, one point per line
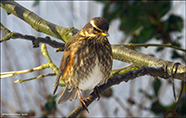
97 26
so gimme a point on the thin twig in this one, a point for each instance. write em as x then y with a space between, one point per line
35 40
13 73
4 29
122 68
38 77
156 45
51 64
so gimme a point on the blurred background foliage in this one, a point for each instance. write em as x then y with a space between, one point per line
143 21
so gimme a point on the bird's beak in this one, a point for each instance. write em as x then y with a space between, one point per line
105 33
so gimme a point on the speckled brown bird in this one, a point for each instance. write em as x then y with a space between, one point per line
86 62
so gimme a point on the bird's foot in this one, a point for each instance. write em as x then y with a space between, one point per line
83 104
97 91
82 101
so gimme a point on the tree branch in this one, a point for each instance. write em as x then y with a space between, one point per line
35 40
13 73
5 30
51 64
164 68
153 71
120 52
37 22
38 77
156 45
125 54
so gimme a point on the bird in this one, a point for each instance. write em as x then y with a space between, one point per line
86 62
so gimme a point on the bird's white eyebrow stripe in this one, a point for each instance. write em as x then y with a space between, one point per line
93 25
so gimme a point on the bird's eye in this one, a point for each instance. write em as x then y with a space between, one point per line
96 29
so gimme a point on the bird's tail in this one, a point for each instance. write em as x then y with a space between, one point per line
67 95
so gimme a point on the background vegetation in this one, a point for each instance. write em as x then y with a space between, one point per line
139 23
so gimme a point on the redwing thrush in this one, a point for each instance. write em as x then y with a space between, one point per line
86 62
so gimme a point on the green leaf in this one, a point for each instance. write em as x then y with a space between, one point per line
145 35
36 2
50 105
133 17
157 107
159 49
175 55
156 86
112 11
162 7
173 23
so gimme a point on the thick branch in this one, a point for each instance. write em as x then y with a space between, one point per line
117 80
37 22
125 54
120 52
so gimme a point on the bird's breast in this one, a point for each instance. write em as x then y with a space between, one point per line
92 64
93 78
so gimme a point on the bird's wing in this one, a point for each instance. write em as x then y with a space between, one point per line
61 69
68 51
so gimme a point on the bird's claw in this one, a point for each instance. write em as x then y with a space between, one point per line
97 91
83 104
